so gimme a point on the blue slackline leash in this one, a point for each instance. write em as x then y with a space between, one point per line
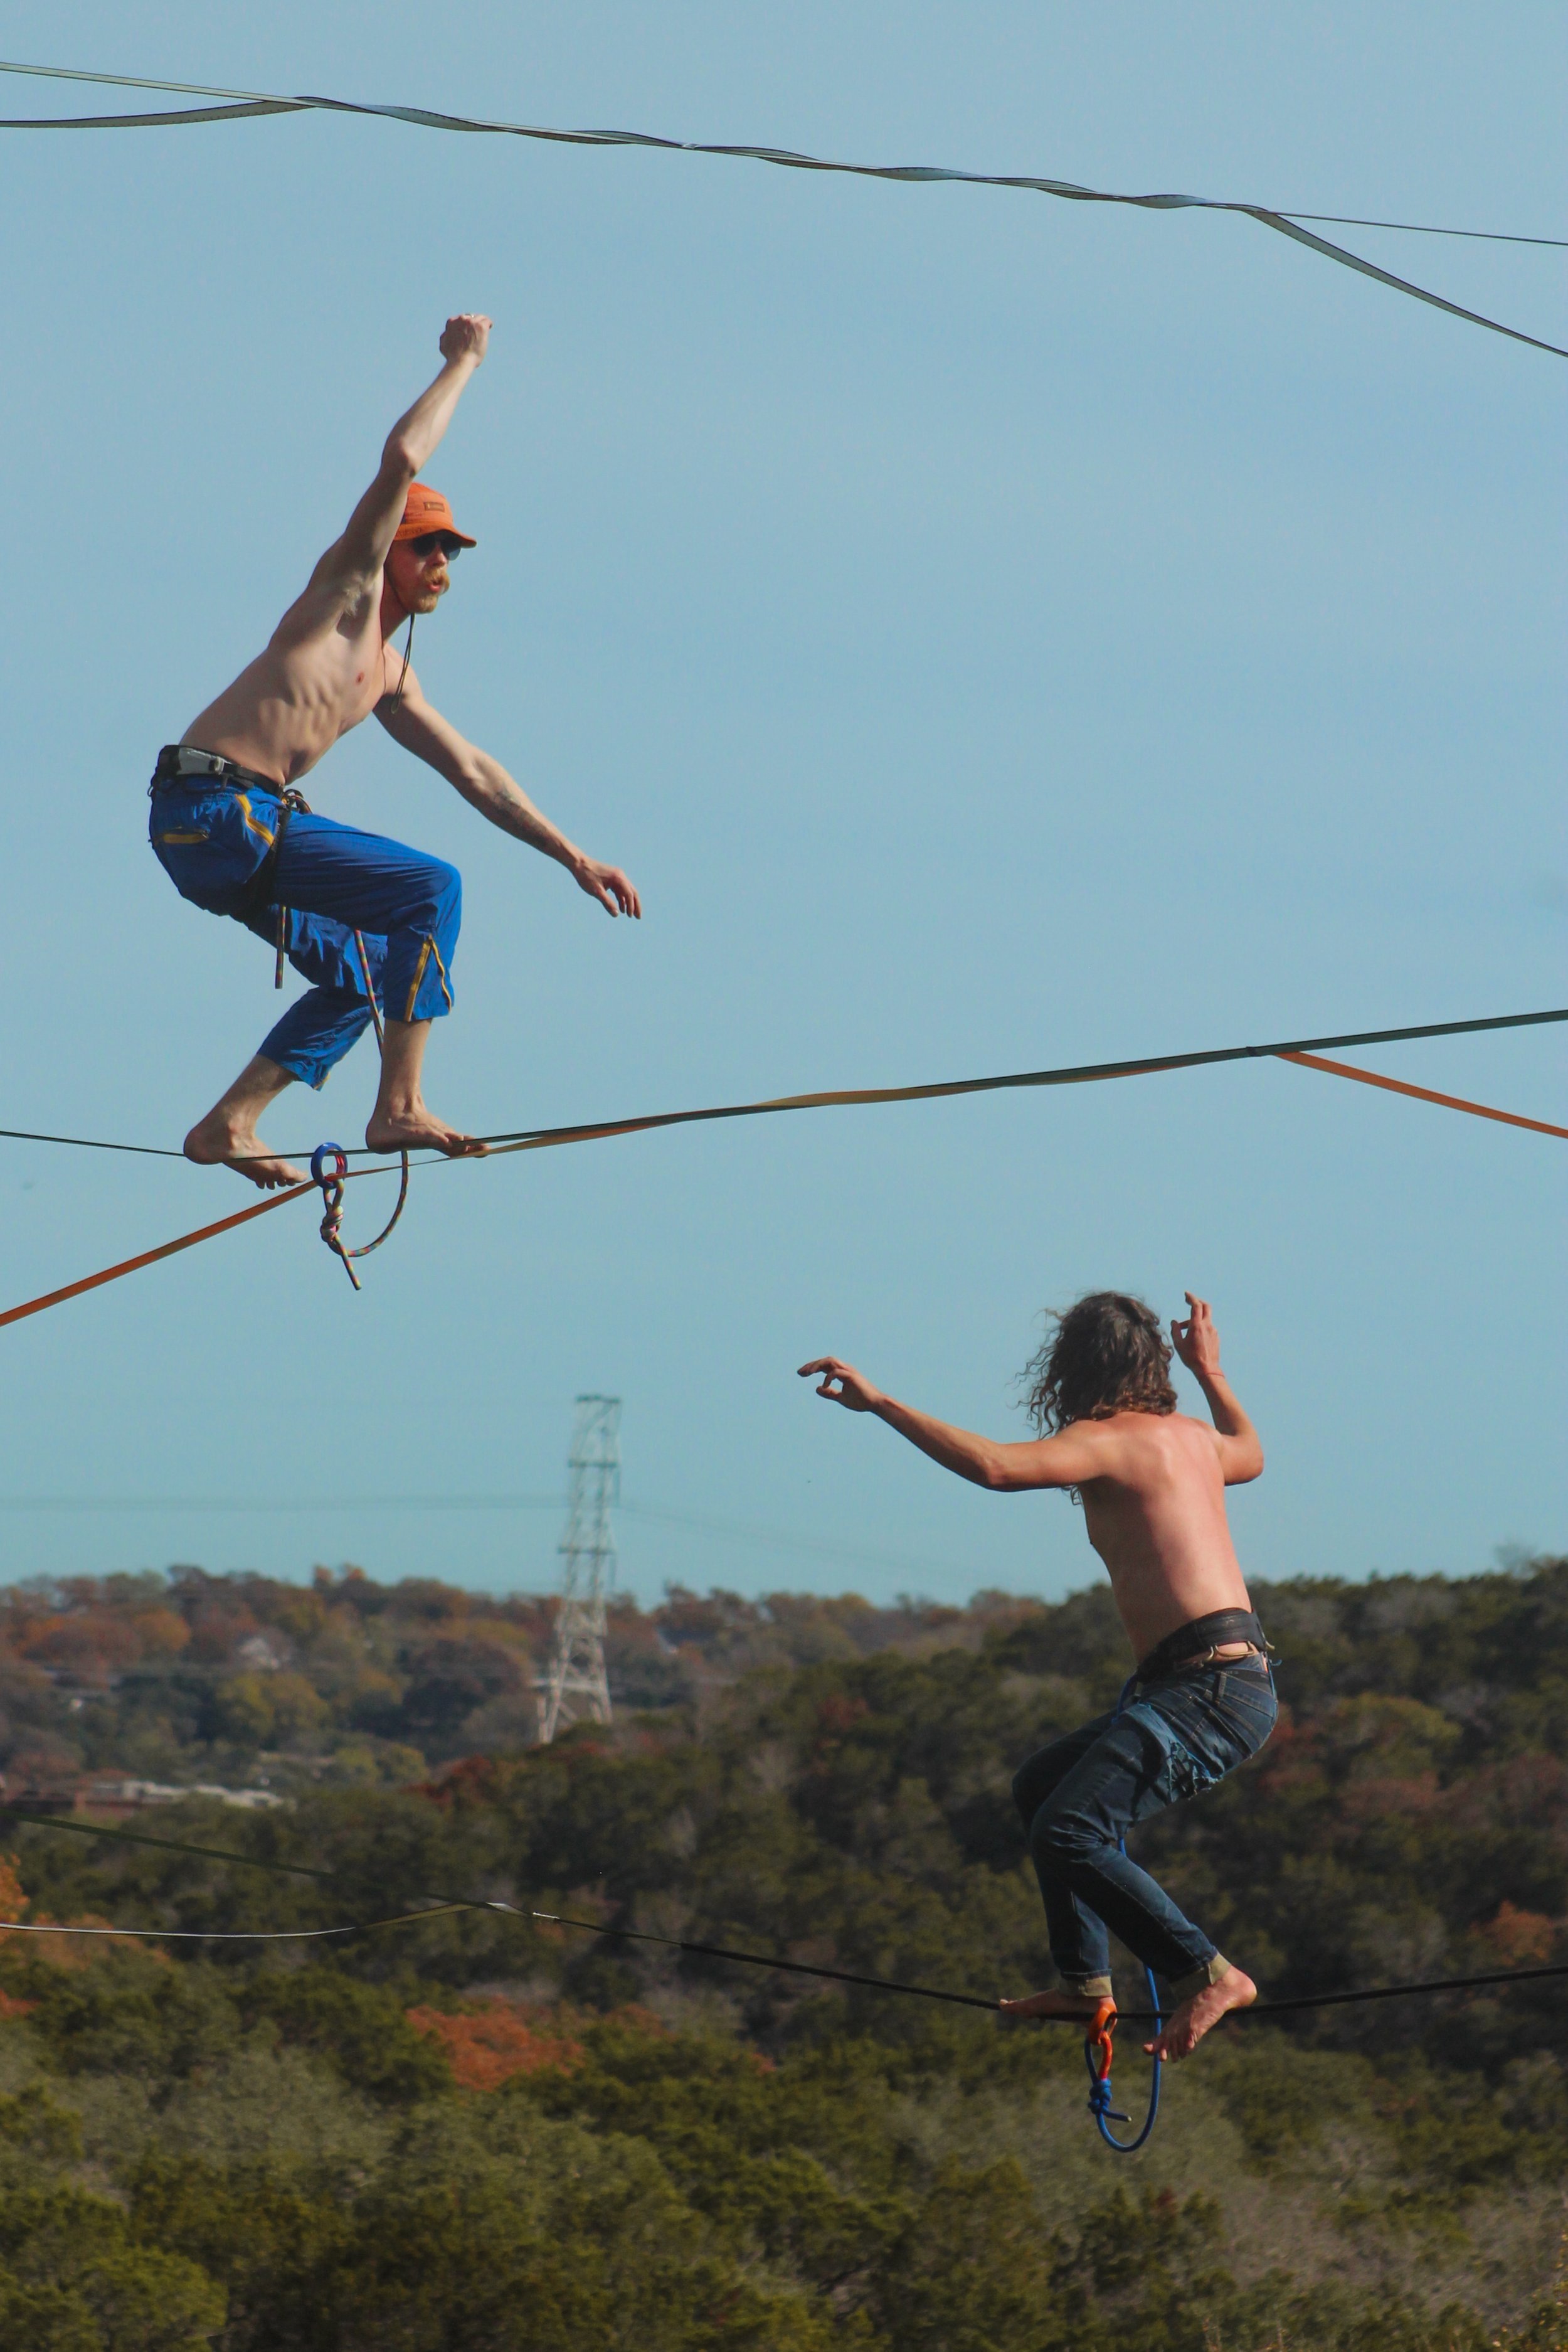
329 1161
1098 2055
1097 2050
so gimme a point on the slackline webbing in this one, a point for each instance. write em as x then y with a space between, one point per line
150 1258
546 1138
1079 1074
775 1961
1069 1075
248 104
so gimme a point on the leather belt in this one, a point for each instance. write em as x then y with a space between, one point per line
1195 1644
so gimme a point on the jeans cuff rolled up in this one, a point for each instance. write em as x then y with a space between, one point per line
1198 1980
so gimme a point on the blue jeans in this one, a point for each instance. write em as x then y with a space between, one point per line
1081 1796
333 881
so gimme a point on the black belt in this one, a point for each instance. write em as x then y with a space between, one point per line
1196 1644
187 763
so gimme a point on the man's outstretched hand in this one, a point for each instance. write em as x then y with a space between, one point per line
842 1384
466 337
615 890
1196 1340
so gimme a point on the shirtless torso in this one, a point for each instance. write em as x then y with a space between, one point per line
1152 1485
324 669
1154 1507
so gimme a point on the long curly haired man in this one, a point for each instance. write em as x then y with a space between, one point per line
1201 1700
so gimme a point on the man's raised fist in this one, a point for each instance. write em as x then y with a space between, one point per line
468 336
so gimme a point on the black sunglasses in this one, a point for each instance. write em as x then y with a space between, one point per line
428 541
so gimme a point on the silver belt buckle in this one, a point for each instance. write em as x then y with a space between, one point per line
195 762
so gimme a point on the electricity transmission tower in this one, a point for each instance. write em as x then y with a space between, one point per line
575 1685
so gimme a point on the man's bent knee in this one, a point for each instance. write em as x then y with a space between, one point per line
1061 1842
445 885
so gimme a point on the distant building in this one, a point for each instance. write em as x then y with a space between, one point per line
106 1793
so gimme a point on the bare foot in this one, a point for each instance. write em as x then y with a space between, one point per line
418 1130
1192 2020
220 1140
1055 2003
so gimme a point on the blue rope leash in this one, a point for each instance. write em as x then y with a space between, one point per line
1097 2048
1101 2093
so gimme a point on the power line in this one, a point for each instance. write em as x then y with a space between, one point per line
273 1506
250 104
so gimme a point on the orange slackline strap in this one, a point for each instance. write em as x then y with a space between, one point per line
150 1258
1423 1094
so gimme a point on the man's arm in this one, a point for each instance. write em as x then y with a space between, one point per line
1197 1342
1065 1461
420 728
355 560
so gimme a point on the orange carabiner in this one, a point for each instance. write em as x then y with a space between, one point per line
1097 2041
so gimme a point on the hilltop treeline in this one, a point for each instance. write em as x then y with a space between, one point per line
187 1676
483 2131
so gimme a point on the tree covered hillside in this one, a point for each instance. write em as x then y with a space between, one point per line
476 2131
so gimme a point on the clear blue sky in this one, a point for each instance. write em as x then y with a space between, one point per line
993 633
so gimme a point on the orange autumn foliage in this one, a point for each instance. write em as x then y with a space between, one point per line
487 2047
1519 1936
12 1900
60 1951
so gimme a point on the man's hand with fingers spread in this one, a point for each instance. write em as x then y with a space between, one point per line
1196 1340
842 1384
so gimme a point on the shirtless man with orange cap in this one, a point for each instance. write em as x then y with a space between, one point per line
354 913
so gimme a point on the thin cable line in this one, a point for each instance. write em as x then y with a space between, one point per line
256 103
773 1961
311 1503
91 1143
228 1935
1421 228
716 1530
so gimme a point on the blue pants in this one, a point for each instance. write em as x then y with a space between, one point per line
1081 1796
333 881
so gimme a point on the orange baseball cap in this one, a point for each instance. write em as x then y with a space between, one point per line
428 509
